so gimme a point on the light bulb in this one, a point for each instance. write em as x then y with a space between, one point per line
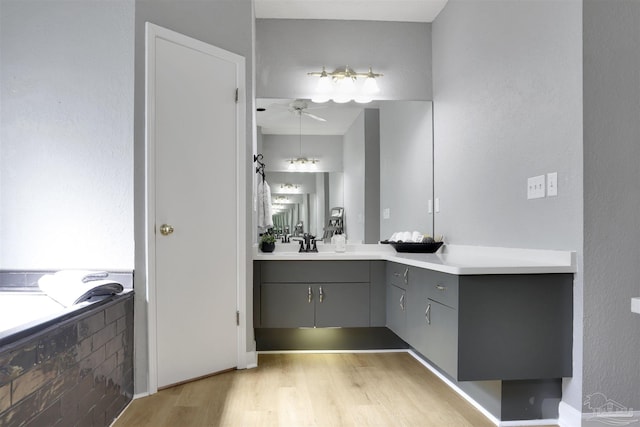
320 98
363 99
291 166
313 167
345 87
370 86
324 84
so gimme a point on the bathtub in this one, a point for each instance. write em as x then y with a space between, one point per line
51 355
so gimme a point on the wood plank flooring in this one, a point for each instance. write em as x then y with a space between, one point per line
315 390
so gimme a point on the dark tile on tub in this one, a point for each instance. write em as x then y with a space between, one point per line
114 313
19 413
88 364
15 363
57 341
32 380
114 345
5 397
91 325
105 334
12 278
48 417
83 349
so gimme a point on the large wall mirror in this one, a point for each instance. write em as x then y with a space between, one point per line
373 161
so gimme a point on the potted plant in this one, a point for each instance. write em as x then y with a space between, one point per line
267 242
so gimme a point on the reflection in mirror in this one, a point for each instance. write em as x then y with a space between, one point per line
349 145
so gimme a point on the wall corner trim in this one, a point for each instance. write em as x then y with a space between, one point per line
568 416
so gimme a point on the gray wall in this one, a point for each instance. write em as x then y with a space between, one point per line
354 184
66 132
227 24
612 200
507 79
405 167
372 175
286 50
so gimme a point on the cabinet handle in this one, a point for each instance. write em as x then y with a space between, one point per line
441 288
402 301
309 295
405 276
427 314
321 294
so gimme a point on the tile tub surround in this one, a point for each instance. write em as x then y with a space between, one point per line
78 371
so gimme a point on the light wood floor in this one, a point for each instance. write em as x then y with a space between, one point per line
316 390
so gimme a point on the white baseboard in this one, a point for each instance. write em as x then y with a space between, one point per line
523 423
568 416
251 359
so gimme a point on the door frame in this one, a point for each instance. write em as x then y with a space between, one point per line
152 32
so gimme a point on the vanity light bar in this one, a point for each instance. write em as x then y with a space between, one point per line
340 85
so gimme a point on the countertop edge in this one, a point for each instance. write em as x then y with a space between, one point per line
474 266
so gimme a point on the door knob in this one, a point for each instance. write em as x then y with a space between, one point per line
166 229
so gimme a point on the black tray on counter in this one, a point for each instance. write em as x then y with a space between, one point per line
412 247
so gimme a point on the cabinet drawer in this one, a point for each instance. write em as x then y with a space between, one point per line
397 275
445 289
440 287
314 271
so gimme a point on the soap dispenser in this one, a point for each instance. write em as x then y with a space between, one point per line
340 242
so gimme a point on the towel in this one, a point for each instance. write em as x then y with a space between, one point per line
69 287
265 220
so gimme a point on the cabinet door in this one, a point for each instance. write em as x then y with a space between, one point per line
442 337
342 304
287 305
396 310
417 326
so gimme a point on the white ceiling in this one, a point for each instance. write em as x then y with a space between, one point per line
368 10
279 119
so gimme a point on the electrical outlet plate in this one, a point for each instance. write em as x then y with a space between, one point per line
552 184
536 187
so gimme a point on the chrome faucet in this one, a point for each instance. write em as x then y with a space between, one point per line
306 243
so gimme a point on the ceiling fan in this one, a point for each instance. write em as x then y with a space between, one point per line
299 107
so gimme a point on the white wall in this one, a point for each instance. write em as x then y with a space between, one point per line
66 133
406 167
507 82
612 200
354 184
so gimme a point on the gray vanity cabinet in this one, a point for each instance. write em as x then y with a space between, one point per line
294 294
432 318
397 281
490 327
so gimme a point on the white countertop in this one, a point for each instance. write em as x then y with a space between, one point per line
453 259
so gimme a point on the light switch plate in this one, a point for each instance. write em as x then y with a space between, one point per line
386 213
535 187
552 184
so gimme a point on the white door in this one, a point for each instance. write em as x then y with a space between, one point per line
192 138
